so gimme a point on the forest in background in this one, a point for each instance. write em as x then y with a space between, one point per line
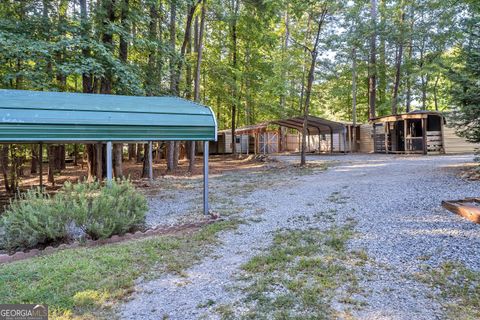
250 60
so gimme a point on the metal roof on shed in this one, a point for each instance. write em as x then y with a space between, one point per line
315 125
34 116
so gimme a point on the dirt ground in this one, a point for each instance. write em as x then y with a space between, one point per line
218 164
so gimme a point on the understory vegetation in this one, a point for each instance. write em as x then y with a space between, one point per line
35 218
301 275
87 282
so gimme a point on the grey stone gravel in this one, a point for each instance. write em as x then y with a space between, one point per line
400 224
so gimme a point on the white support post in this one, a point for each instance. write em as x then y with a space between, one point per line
109 162
150 161
205 178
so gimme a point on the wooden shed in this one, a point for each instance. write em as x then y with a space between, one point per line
440 138
415 132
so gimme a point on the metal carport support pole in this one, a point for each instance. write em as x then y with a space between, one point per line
205 177
109 162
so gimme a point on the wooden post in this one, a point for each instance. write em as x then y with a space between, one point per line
374 138
349 138
308 139
331 140
319 142
424 135
387 128
405 146
443 137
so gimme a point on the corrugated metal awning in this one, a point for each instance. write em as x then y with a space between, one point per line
34 116
316 125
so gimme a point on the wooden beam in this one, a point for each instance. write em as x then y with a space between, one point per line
331 140
443 135
386 129
468 208
424 136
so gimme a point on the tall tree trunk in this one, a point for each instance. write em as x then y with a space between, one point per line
173 63
283 95
304 64
410 54
98 160
308 91
170 156
75 154
91 164
60 55
107 39
87 83
152 54
62 160
173 40
354 99
382 66
398 64
435 98
139 152
51 164
4 162
117 160
185 43
196 89
34 163
146 161
236 6
131 151
84 31
372 80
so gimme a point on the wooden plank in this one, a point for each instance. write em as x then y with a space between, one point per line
468 208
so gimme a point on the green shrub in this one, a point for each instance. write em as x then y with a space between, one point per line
31 219
100 211
104 211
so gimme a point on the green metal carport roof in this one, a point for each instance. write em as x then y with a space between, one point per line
35 116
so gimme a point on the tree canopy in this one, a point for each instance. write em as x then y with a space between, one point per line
256 53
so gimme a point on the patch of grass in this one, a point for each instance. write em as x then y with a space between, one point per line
301 274
206 304
337 197
84 280
457 288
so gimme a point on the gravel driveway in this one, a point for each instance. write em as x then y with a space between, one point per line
395 201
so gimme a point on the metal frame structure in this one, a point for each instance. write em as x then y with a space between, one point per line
315 125
59 117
